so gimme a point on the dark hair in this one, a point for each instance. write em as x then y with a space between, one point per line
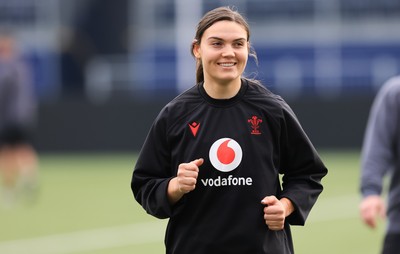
211 17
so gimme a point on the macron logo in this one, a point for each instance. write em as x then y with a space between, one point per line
194 127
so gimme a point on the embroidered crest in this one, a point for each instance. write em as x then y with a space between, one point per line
255 125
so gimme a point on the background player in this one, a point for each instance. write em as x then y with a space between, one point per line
381 156
18 159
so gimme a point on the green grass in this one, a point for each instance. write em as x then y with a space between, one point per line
334 225
79 193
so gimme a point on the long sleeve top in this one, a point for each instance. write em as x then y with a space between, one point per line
247 142
381 149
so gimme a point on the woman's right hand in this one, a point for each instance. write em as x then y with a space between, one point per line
185 181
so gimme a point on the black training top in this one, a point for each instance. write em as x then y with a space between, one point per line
246 142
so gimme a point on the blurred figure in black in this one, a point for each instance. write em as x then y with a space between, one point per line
18 158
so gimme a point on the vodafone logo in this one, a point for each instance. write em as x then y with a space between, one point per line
225 154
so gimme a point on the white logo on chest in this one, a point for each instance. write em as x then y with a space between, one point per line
225 154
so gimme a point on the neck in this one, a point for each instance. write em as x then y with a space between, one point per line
222 91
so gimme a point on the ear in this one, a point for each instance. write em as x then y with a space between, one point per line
196 49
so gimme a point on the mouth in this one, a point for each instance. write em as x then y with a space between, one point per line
231 64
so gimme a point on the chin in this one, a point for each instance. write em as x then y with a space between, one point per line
227 80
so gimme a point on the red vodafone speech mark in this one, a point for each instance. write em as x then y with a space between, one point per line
225 154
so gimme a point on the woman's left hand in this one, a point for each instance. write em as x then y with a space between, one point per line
276 211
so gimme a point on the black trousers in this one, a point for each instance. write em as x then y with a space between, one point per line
391 245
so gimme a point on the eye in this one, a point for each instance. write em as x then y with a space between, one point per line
216 44
238 44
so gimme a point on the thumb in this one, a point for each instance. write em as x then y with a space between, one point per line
269 200
198 162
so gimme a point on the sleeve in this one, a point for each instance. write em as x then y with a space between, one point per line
301 167
377 155
152 172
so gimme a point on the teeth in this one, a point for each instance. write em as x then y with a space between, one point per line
227 64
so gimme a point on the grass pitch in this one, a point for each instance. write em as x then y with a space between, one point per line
85 206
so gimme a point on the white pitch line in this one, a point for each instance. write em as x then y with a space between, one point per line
86 240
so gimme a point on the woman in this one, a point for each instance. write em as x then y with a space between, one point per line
212 159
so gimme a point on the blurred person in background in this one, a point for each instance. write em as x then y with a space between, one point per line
212 159
380 157
18 158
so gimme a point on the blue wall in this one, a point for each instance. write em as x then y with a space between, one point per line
356 75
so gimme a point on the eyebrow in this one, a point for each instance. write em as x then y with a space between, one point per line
220 39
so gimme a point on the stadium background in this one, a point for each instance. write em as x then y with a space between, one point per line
103 69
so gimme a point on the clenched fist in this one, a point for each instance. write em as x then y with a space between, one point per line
185 180
276 211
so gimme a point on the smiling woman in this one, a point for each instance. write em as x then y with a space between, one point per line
223 54
221 48
227 123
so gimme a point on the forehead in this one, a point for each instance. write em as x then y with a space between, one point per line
226 30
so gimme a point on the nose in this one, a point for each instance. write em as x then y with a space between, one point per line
228 51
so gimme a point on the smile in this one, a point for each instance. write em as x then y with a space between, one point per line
227 64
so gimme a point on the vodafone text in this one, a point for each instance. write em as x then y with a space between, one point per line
227 181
